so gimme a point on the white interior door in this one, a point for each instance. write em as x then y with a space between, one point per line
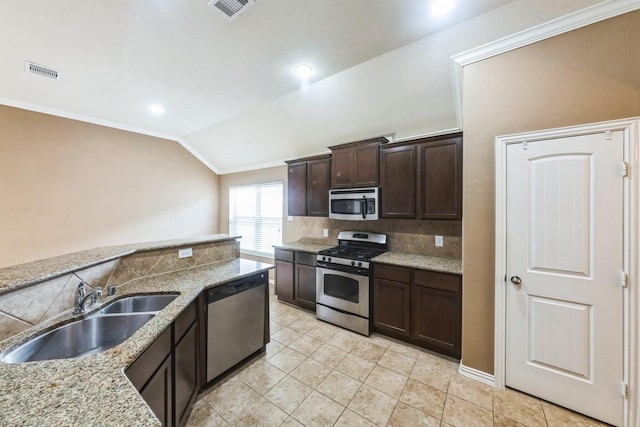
565 249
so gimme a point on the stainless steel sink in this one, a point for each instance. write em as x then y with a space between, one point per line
97 332
87 336
139 304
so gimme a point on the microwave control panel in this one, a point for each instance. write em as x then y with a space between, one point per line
371 206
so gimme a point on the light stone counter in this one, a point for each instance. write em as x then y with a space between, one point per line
304 246
22 275
93 390
442 265
424 262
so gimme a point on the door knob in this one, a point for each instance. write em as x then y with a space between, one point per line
516 280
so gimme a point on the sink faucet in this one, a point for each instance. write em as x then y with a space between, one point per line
82 297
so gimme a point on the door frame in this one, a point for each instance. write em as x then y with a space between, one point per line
631 327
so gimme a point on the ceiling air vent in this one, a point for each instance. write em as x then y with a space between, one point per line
231 8
41 70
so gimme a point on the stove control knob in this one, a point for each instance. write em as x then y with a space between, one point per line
359 264
329 259
324 258
353 263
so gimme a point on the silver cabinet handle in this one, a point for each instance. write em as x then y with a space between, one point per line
516 280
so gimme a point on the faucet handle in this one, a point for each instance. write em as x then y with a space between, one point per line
80 291
98 290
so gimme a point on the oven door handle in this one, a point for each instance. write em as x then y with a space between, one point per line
342 270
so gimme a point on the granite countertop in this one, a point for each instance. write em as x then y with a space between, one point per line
424 262
305 246
21 275
94 390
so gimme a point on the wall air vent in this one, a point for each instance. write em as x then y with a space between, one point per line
231 8
41 70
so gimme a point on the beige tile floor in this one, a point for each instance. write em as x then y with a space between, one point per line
317 374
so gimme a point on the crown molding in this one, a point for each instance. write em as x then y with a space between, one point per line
106 123
82 118
253 167
197 155
573 21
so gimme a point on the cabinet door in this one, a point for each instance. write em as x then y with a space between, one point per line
306 286
437 312
365 163
157 393
341 168
440 179
297 189
142 369
391 306
398 181
284 280
318 181
186 384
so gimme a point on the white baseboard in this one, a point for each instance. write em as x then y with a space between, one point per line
477 375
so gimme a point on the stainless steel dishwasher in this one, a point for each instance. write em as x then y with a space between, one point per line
235 322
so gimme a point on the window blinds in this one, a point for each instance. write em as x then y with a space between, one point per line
255 213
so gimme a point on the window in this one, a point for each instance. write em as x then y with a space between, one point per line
255 213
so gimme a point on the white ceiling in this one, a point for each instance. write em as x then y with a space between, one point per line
381 68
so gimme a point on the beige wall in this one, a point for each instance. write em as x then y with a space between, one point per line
274 174
588 75
67 186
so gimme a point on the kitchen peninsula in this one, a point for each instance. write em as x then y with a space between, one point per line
93 390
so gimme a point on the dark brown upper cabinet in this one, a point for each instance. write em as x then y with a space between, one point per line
398 181
356 164
422 178
440 178
308 186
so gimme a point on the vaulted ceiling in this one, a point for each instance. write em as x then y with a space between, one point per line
381 67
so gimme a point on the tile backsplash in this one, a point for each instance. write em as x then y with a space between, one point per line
26 307
29 306
157 262
404 235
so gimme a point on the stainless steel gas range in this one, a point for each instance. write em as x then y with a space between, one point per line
343 280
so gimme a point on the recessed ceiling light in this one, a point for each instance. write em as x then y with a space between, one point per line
303 71
156 109
441 8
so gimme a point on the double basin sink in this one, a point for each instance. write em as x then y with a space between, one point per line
98 332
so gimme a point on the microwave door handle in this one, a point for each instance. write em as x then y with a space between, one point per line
363 207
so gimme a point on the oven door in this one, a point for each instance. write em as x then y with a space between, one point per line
345 291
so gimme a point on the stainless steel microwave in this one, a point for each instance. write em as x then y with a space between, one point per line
357 204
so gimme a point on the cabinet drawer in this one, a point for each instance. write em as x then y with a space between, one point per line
442 281
388 272
283 255
185 319
145 365
306 258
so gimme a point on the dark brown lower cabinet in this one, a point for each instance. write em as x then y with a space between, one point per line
157 393
186 374
436 320
392 305
151 374
284 286
419 306
296 278
166 374
306 286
